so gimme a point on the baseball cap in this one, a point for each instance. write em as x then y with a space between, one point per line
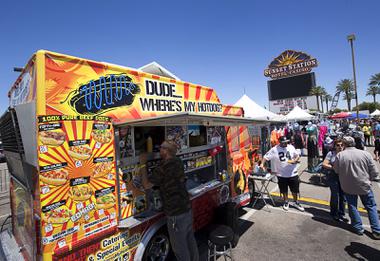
349 141
283 139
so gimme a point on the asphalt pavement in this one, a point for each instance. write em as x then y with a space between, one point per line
270 233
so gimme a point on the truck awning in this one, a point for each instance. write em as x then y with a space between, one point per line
186 118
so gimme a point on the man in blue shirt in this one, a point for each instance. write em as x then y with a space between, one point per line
377 130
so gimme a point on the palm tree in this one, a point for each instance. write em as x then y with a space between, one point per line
323 93
373 90
374 86
347 87
375 80
316 91
349 97
328 98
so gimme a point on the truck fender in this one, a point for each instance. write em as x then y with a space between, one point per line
147 237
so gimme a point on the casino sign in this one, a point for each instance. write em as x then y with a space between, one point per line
290 63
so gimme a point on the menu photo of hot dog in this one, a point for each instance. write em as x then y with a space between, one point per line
56 213
105 198
101 133
58 216
54 175
80 149
80 192
51 134
103 167
106 201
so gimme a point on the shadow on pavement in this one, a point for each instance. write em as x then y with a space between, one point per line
323 216
260 204
360 251
314 179
202 235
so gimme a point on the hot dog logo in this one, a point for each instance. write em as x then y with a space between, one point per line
101 95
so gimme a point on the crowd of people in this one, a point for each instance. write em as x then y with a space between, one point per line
349 168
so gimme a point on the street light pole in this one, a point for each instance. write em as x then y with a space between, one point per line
351 38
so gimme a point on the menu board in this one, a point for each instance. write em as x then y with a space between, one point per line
77 178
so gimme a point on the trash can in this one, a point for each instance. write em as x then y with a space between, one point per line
227 214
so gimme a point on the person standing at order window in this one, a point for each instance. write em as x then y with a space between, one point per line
356 169
284 163
170 177
337 199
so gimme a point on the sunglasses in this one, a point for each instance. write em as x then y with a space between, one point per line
339 145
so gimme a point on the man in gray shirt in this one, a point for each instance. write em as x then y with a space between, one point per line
356 169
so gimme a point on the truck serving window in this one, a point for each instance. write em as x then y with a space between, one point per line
148 138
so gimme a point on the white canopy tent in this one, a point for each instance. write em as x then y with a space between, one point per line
298 114
375 113
255 111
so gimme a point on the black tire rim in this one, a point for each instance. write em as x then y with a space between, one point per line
159 248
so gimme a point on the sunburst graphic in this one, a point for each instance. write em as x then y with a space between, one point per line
288 58
77 130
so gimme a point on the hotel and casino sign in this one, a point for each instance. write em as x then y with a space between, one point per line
290 63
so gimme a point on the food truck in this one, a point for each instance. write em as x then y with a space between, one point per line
73 135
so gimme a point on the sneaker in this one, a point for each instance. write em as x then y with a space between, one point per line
298 206
286 206
337 219
359 232
376 235
341 219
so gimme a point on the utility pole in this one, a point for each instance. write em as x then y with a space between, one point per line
351 38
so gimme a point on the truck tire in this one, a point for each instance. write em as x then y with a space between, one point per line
158 248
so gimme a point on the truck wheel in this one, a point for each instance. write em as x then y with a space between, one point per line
158 248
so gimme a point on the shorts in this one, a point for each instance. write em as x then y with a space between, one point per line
292 182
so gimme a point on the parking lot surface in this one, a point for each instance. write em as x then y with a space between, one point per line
270 233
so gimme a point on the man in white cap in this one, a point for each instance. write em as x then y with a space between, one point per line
284 162
356 169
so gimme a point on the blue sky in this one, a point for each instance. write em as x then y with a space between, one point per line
222 44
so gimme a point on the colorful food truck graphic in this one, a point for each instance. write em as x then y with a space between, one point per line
73 136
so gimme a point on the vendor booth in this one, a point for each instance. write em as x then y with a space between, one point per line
255 111
297 114
376 113
340 115
355 116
